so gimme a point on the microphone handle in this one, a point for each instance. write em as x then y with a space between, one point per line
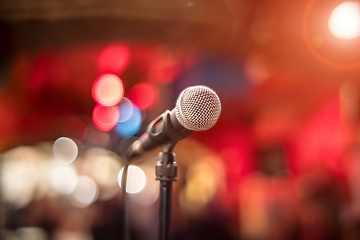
165 129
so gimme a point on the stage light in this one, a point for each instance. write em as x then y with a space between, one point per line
114 59
65 150
131 126
108 90
344 21
143 95
136 179
106 118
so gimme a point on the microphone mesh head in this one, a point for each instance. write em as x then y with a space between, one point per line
198 108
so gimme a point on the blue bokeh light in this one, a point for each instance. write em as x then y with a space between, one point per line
131 126
126 111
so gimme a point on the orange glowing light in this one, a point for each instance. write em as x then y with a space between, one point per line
143 95
108 90
313 51
106 118
344 21
114 59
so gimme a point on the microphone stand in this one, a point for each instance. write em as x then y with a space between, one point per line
163 132
166 172
166 169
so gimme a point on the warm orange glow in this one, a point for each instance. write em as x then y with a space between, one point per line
310 45
344 21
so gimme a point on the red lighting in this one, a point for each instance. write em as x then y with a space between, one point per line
164 70
106 118
323 138
143 95
75 128
108 90
114 59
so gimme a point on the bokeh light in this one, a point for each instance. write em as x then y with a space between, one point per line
131 126
143 95
106 118
201 187
85 192
108 90
65 150
150 193
75 128
63 178
257 69
30 233
136 179
114 59
344 21
126 109
20 173
104 166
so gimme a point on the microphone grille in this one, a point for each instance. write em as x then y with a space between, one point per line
198 108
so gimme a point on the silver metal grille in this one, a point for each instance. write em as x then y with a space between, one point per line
198 108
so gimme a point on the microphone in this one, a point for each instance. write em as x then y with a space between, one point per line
197 109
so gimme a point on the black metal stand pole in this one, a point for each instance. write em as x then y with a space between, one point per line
166 171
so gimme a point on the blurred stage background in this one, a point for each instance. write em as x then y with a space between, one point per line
283 161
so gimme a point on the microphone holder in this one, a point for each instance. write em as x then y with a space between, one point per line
166 173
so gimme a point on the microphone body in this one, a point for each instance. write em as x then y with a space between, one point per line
164 129
197 109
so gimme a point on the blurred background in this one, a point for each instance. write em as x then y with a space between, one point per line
81 79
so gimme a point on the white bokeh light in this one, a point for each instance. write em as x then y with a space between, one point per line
136 179
65 150
63 179
344 21
19 176
86 192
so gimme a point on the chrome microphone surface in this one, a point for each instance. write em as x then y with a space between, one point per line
198 108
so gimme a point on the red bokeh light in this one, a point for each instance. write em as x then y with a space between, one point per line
143 95
114 59
106 118
108 90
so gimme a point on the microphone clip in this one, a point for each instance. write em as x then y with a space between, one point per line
161 130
